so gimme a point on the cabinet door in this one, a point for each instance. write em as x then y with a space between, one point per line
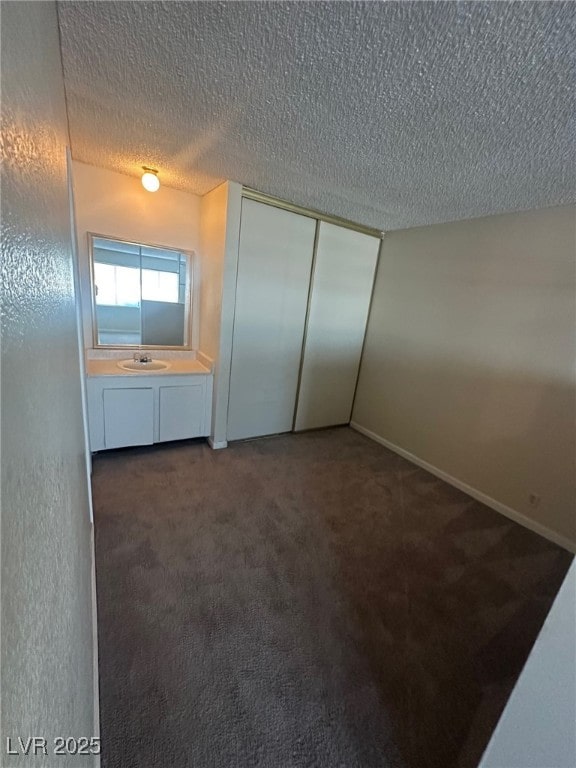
182 412
274 264
339 302
128 417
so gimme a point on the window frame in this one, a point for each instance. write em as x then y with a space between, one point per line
191 299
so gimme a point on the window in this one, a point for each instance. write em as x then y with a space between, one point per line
120 286
160 286
117 286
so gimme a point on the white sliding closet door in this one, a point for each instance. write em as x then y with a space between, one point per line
274 265
339 303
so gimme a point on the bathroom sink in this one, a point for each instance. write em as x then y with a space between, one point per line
135 365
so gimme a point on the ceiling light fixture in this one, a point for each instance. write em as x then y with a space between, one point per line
150 180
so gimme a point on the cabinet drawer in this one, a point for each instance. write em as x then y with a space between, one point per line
181 411
128 417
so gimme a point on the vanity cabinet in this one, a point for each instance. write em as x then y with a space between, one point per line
128 416
141 410
182 409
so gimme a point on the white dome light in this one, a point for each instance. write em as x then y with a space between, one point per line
150 180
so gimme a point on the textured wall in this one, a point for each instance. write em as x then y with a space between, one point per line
47 645
469 357
116 205
392 114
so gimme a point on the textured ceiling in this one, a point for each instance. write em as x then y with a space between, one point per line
390 114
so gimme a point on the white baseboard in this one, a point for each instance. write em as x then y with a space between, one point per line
216 445
513 514
96 731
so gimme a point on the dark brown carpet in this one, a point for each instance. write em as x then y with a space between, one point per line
306 600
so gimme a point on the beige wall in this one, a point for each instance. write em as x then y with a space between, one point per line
214 206
47 643
469 358
113 204
220 232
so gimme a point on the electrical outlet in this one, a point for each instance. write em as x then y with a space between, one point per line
533 499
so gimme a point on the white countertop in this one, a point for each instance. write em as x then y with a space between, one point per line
178 367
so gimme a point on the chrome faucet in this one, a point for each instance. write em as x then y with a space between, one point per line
142 357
